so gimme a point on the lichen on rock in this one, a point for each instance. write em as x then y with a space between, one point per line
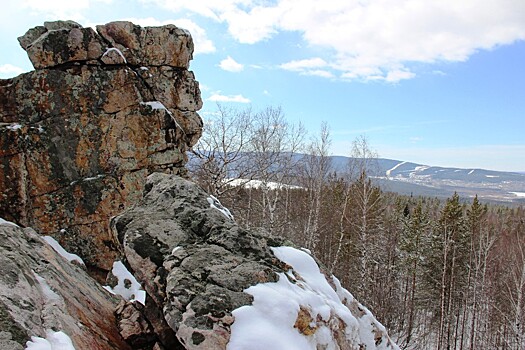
76 138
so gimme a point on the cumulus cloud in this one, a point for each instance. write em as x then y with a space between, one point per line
66 9
9 70
203 45
230 65
218 97
372 40
304 65
313 66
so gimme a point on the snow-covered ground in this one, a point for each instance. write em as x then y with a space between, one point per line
260 184
271 321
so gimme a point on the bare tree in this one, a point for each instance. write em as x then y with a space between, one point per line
273 149
220 157
316 166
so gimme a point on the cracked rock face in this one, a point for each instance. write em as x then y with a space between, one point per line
40 290
80 134
193 261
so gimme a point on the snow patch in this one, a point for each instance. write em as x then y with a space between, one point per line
14 126
269 322
519 194
61 251
53 341
421 168
49 295
271 185
470 172
491 176
9 223
91 178
388 172
114 49
159 105
214 203
154 105
127 287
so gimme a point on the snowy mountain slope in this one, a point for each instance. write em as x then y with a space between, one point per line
419 179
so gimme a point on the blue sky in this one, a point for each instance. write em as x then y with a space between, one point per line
438 82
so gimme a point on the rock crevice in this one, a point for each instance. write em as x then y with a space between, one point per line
80 134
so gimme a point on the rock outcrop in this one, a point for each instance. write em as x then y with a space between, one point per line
99 131
199 267
40 291
80 134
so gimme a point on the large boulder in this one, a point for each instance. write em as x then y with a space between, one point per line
79 135
41 292
204 272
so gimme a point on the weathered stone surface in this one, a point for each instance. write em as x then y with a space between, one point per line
77 141
61 42
198 266
40 290
193 261
150 46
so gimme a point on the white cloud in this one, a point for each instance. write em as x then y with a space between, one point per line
395 76
9 70
415 139
310 66
203 45
319 73
230 65
304 65
372 40
218 97
61 9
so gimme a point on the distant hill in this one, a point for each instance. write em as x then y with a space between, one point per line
419 179
424 180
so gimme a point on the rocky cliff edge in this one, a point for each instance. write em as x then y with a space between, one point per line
98 132
80 134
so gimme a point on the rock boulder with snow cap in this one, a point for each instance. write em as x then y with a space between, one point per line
80 134
223 287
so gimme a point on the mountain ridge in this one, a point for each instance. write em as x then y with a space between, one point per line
411 178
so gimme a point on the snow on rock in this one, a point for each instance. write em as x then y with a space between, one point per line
9 223
113 56
214 203
127 287
154 105
14 127
303 311
157 105
58 248
48 293
53 341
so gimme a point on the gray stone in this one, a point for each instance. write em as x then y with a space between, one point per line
40 290
194 262
150 46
